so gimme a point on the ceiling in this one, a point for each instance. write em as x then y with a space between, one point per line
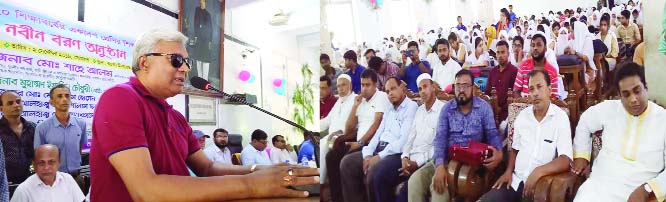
304 14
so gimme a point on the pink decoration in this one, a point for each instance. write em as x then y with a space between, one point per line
277 82
244 75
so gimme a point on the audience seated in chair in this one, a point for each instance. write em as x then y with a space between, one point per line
306 150
418 148
255 153
410 72
282 152
502 79
220 152
444 69
48 183
364 120
541 129
453 130
335 122
381 157
631 163
537 62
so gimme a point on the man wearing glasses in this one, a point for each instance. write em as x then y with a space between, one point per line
465 119
255 153
143 147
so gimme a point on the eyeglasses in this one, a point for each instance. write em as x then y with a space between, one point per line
177 60
462 86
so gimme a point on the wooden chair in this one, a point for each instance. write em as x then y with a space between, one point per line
490 99
595 95
553 188
576 88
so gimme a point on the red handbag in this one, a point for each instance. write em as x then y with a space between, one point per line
473 154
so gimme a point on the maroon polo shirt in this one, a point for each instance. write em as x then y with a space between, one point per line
502 81
128 117
326 105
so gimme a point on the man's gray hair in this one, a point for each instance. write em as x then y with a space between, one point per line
147 41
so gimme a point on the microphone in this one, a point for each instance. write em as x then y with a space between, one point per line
203 84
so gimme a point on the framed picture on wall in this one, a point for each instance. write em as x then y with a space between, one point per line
200 109
202 21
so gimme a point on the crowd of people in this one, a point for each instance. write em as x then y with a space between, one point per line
379 137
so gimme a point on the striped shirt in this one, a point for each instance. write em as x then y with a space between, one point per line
521 83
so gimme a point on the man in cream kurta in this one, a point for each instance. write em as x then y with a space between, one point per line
632 159
336 119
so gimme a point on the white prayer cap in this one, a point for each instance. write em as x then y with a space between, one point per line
344 76
423 76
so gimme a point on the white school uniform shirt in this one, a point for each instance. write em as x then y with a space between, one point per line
472 59
632 153
538 143
444 74
64 189
216 155
419 147
367 109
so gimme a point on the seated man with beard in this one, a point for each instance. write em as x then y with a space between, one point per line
220 153
465 119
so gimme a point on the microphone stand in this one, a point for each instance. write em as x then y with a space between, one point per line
241 100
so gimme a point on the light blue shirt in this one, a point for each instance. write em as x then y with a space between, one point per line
252 156
68 139
394 129
216 155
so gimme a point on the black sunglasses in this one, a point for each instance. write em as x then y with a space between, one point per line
177 60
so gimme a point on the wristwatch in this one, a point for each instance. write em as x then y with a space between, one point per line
361 143
647 188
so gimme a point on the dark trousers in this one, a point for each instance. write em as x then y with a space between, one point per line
503 195
353 179
333 159
385 177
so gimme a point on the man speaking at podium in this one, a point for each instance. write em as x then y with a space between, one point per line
143 147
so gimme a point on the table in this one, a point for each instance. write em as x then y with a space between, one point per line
309 199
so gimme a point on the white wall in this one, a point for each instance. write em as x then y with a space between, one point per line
283 50
654 61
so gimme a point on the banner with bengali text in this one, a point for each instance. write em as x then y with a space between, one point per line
38 52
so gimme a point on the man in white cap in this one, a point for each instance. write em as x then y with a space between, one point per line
336 119
363 122
418 149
